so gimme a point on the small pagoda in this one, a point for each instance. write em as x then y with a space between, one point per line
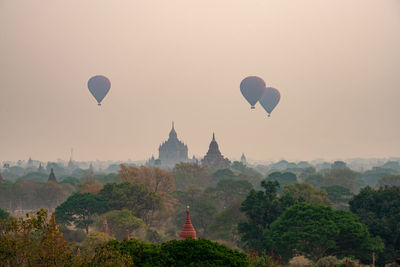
52 176
188 229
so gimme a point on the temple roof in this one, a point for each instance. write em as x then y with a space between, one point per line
188 229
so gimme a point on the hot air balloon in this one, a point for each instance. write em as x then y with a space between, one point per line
270 99
99 86
252 89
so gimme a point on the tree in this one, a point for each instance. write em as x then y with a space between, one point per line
81 210
316 231
154 179
187 174
315 180
223 174
201 252
389 180
307 193
284 178
343 177
224 225
3 214
371 177
33 241
227 191
135 197
380 210
261 209
339 195
119 221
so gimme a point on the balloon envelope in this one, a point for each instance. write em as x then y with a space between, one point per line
270 99
99 86
252 89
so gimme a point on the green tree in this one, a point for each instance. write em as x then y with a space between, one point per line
316 231
389 180
371 177
223 174
228 191
135 197
81 210
202 252
339 195
224 225
3 214
343 177
305 192
380 210
187 174
119 221
315 180
261 209
284 178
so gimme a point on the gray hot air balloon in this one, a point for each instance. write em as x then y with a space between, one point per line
252 89
99 86
270 99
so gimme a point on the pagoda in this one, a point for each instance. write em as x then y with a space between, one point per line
52 176
214 158
188 229
173 150
243 159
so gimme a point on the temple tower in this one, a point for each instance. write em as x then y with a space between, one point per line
214 158
188 229
52 176
173 150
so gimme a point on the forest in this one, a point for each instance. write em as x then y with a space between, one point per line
245 215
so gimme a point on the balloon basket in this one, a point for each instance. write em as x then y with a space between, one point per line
99 104
253 107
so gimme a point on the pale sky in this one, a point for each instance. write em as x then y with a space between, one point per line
336 64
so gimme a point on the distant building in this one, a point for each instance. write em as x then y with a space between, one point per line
40 169
214 158
52 177
243 159
173 150
188 229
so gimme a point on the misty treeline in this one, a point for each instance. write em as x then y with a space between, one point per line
329 215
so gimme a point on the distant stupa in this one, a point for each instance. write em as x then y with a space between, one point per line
214 158
52 177
1 178
188 229
243 159
40 169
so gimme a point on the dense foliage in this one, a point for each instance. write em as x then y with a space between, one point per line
380 210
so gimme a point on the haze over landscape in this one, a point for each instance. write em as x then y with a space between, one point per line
336 64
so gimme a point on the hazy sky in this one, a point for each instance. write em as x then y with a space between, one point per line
336 64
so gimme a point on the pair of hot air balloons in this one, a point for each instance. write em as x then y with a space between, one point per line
254 90
99 86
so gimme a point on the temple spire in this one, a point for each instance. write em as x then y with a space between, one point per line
52 176
188 230
213 137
